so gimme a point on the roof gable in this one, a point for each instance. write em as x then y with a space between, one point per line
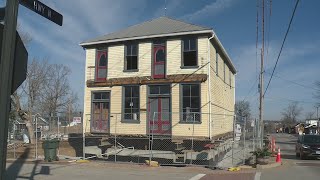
162 25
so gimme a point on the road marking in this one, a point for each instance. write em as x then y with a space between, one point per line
197 177
257 176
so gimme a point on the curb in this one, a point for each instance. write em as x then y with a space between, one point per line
32 161
267 166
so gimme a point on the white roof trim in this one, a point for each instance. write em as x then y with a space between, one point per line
145 37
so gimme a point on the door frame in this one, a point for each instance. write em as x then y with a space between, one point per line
155 43
109 116
148 108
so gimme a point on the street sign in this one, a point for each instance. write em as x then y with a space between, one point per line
77 120
20 61
43 10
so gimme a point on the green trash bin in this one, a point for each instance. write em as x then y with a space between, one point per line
50 150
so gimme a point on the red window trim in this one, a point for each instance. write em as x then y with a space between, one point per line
99 68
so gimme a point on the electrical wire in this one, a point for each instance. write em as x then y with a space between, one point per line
284 40
293 82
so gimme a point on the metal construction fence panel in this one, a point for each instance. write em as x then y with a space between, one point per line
189 138
68 130
166 137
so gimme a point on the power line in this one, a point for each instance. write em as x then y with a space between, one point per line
284 40
250 90
293 82
290 100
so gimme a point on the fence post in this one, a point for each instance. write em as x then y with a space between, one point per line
84 123
194 120
115 139
36 137
14 142
244 139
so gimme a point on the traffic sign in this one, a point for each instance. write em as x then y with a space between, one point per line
43 10
20 61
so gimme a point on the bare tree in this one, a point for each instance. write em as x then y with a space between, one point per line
32 90
242 109
57 93
291 113
309 115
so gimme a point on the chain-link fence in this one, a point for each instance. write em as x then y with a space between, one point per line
247 139
166 137
68 130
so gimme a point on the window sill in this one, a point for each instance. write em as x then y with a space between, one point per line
185 122
189 67
130 121
131 70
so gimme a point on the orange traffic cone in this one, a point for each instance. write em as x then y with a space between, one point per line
278 159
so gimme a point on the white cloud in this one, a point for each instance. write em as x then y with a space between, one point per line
210 9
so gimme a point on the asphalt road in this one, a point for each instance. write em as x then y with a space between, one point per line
293 167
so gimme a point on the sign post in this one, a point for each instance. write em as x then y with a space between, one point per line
8 51
6 72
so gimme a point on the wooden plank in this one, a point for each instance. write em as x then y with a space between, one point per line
179 78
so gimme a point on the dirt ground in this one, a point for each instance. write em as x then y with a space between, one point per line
66 148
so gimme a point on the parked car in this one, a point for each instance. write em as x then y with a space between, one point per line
308 146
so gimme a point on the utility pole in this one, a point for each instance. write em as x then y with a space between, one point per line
6 72
261 80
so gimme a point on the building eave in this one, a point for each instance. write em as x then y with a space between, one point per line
84 44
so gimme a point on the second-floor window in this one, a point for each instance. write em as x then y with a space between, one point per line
189 54
131 57
101 65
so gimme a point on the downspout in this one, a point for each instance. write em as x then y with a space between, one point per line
209 87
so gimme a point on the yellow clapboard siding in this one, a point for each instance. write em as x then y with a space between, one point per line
222 96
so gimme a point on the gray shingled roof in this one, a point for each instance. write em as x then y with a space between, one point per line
162 25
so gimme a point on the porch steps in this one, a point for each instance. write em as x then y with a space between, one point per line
104 142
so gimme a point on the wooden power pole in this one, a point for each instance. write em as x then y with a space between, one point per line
261 80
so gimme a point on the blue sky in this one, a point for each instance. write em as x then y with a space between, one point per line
234 21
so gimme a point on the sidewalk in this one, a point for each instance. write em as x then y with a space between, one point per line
104 170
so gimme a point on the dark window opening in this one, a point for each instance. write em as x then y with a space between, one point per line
159 90
190 102
101 95
190 52
160 56
131 57
131 103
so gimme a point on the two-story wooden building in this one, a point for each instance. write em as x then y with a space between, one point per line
164 77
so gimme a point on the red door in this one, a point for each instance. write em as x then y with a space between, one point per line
159 116
100 119
159 61
101 65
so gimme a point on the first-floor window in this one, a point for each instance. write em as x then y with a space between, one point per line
131 103
190 99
